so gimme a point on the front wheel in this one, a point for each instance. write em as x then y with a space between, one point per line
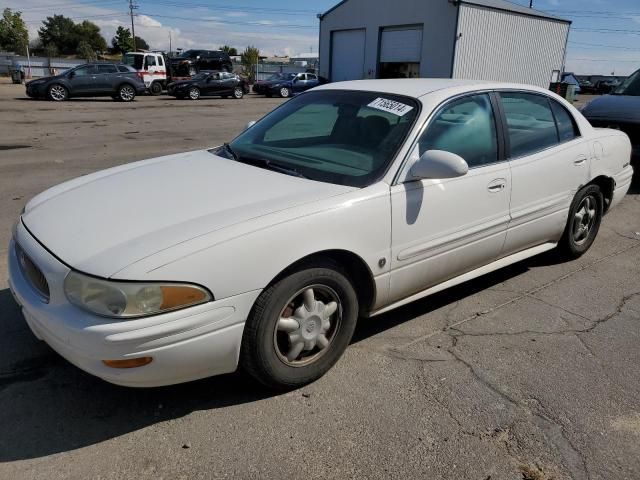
299 327
238 93
57 93
194 93
155 88
285 92
126 93
583 224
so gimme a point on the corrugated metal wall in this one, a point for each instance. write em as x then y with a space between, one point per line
503 46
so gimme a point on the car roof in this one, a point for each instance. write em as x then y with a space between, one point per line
419 87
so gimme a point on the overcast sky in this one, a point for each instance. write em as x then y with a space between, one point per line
605 35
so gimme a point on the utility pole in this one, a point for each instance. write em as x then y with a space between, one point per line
530 3
132 7
169 42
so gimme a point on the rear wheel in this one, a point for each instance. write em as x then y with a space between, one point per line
299 327
194 93
126 93
155 88
57 93
238 93
583 223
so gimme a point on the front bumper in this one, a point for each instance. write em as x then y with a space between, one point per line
35 91
185 345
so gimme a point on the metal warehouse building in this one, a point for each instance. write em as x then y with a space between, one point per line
470 39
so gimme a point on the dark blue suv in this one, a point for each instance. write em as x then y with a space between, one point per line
91 80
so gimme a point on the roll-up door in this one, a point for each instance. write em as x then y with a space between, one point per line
347 55
401 45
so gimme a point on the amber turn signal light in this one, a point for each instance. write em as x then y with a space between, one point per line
128 363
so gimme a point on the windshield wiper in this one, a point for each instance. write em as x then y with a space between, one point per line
228 148
264 163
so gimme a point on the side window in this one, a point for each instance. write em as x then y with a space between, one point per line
161 61
150 61
311 77
107 69
465 127
82 71
567 128
530 123
123 69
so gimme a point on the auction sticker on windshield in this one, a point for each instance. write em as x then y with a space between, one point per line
390 106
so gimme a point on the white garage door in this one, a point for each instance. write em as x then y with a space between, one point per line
401 45
347 55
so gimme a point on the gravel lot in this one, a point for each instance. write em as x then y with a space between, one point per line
532 372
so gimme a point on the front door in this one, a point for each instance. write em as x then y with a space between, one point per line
213 84
442 228
300 83
82 80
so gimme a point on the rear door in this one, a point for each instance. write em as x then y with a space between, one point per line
549 162
106 78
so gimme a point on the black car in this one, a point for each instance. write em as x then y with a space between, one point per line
620 110
188 63
90 80
286 84
204 84
604 87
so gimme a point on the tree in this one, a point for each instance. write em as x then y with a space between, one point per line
123 41
59 31
141 43
86 51
249 59
231 51
14 35
89 33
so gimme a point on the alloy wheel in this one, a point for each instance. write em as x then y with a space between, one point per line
127 93
238 93
284 92
584 219
194 94
58 93
307 325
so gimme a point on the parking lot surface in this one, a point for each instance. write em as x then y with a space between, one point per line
532 372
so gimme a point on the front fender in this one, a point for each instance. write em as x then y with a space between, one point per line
248 256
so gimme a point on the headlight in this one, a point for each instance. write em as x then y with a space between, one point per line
130 299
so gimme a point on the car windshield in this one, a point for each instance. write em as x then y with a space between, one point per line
631 86
133 60
341 137
282 76
190 54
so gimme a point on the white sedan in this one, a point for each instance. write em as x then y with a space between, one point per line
347 201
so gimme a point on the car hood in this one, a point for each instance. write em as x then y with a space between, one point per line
614 107
104 222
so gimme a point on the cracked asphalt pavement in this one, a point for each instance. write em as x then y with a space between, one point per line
531 372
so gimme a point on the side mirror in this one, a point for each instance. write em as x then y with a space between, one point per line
250 124
438 164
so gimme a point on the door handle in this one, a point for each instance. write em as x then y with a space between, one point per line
497 186
581 160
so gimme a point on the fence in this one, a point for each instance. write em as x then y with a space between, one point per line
40 66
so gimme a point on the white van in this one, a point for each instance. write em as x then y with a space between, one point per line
153 68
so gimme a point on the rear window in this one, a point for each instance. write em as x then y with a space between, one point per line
124 69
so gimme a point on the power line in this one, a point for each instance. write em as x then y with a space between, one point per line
612 60
604 46
85 17
232 22
606 30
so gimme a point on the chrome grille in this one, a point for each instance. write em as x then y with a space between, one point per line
32 273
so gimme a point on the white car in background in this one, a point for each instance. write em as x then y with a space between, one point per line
349 200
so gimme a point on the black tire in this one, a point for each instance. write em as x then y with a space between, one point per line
268 95
260 355
194 93
57 93
582 226
155 88
126 93
238 93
